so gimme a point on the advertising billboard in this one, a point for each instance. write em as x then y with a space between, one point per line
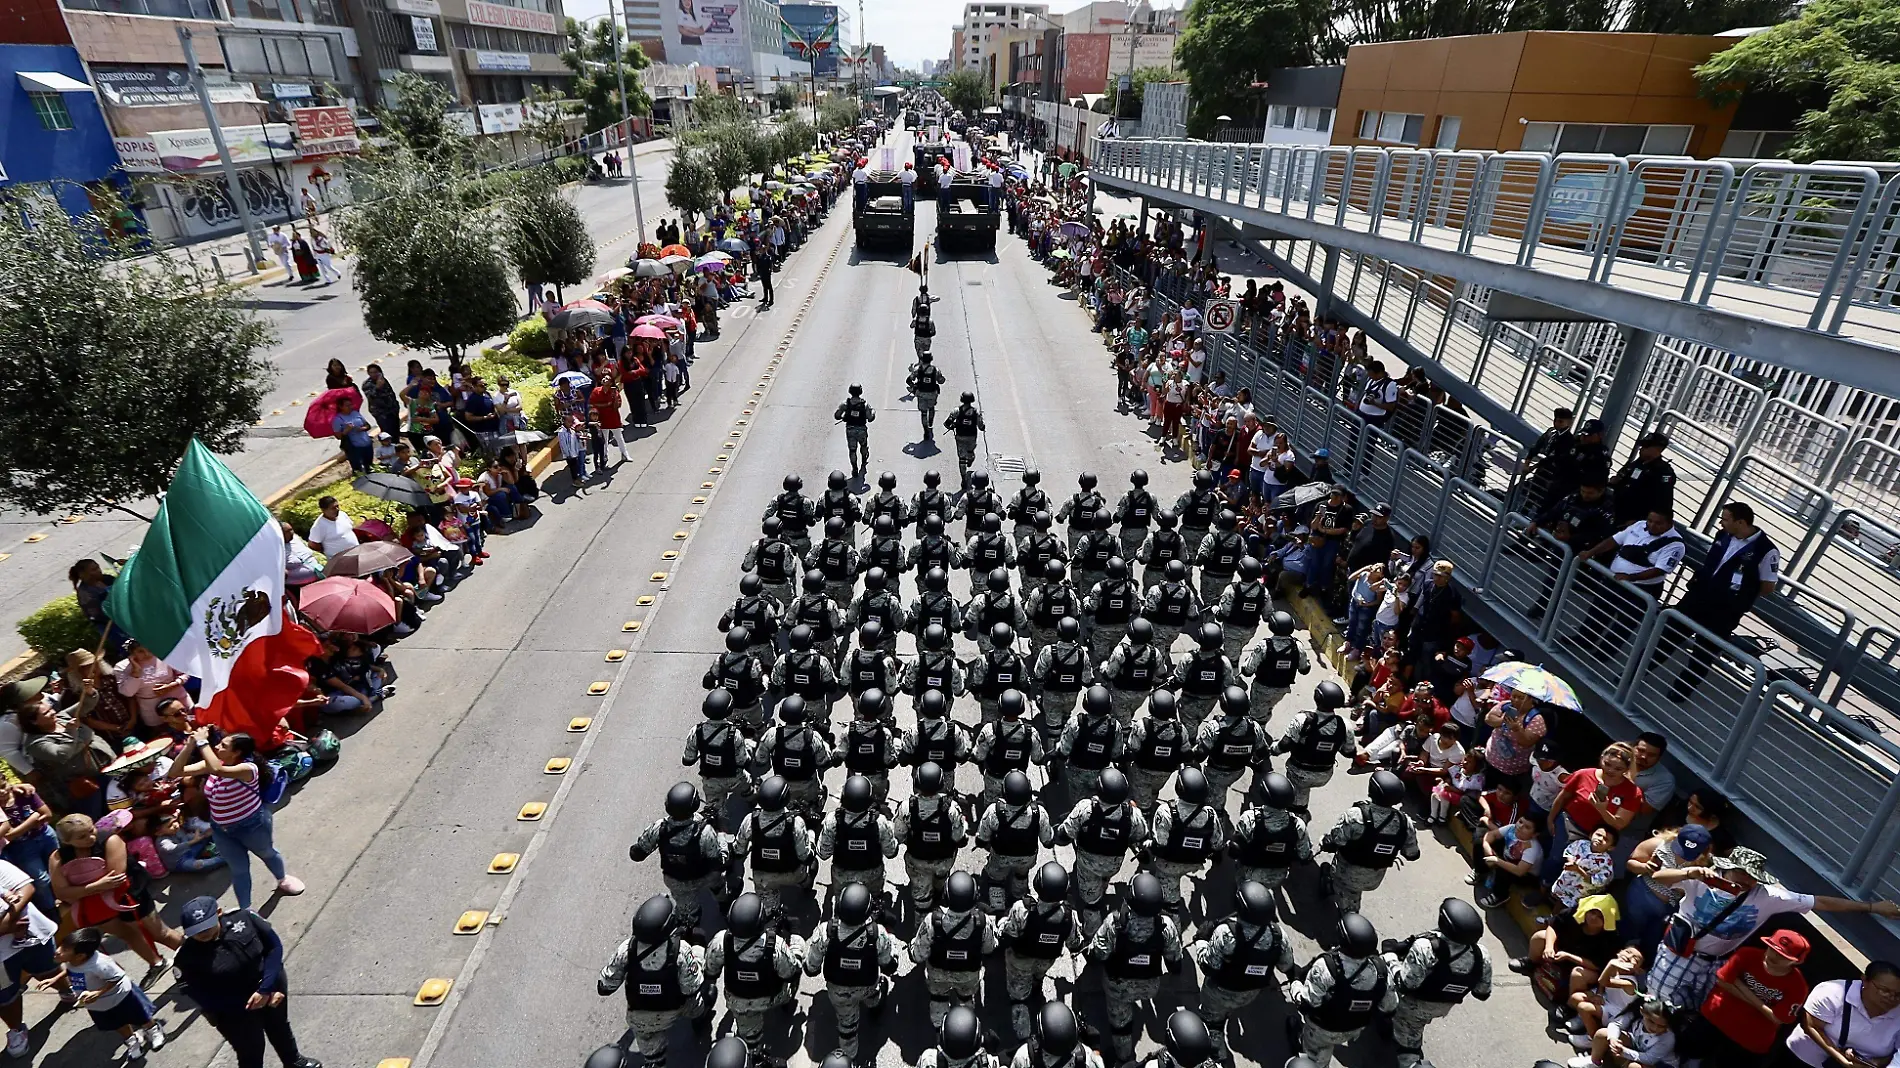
502 16
325 131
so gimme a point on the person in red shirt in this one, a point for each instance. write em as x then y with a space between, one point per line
1757 992
606 402
1590 798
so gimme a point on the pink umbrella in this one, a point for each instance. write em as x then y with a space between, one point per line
648 330
322 412
351 605
659 320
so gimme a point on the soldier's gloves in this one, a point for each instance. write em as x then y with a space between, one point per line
603 989
636 854
1063 838
687 761
888 967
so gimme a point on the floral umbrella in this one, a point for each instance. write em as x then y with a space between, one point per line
1535 680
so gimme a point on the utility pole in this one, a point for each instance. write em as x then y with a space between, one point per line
626 121
197 75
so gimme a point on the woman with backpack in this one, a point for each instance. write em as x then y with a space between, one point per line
240 788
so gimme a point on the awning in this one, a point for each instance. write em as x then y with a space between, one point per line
48 81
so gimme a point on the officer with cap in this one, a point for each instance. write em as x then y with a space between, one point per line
857 839
795 513
1035 934
798 755
1268 839
1104 828
1028 501
1159 744
1056 1042
999 669
1219 556
871 664
1134 669
931 501
692 854
1092 739
1590 460
836 558
738 672
1006 745
1343 989
1037 549
1313 743
721 752
1370 837
1197 509
935 668
1014 829
1239 957
964 424
924 380
935 605
1647 483
665 978
775 560
760 615
950 945
838 502
1433 972
1172 606
959 1042
1163 545
873 744
881 564
1135 511
1188 832
819 614
777 844
989 550
1273 664
856 414
1242 604
887 503
933 830
1049 603
1233 743
995 604
1200 677
1189 1043
856 955
231 963
980 500
1085 510
1132 945
937 740
1109 611
759 966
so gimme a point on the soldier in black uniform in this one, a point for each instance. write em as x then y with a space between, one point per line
838 502
795 513
1085 510
836 558
994 605
1164 544
886 502
739 673
775 560
1645 484
989 551
931 500
925 381
935 549
1108 610
1037 549
1172 606
964 425
1549 460
885 552
1590 513
1197 509
1219 556
996 670
1589 460
759 615
857 415
1028 501
872 743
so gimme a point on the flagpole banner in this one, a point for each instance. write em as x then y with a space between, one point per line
209 577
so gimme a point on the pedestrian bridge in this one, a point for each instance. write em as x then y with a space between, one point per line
1745 309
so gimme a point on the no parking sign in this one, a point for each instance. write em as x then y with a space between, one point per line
1222 316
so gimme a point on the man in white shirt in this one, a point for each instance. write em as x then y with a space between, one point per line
27 951
334 531
280 247
1260 455
1847 1022
1643 554
1380 397
1190 319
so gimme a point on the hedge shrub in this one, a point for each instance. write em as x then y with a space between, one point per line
530 337
301 511
58 629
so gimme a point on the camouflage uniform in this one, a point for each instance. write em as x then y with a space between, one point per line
771 884
650 1027
1023 972
1220 1002
850 1000
717 789
783 954
1265 820
1095 870
707 843
946 985
1200 822
1263 698
1008 873
926 874
870 874
1317 987
1351 880
1126 993
1414 1013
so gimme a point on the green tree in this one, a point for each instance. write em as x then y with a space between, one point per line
111 365
784 98
837 113
729 154
1139 80
966 90
691 185
794 138
713 108
1844 55
545 237
419 120
590 55
429 268
544 119
1230 44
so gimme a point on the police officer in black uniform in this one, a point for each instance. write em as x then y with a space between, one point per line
1197 509
857 415
1550 459
739 673
1028 500
1590 459
1590 512
775 560
1109 609
1084 511
760 615
838 502
1646 483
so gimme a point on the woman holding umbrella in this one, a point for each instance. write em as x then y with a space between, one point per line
352 432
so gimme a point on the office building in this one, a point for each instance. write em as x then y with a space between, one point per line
54 141
983 23
742 39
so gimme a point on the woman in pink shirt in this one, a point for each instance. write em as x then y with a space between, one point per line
147 680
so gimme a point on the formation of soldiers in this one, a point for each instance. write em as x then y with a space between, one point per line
1088 734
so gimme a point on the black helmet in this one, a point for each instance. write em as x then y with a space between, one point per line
872 702
718 704
616 1057
884 526
887 481
1140 631
793 483
1144 895
1031 476
1086 480
1203 479
933 524
872 633
1189 1042
834 528
771 528
815 579
854 905
750 584
1327 696
991 522
936 579
874 578
857 390
1016 789
1167 520
928 778
799 638
933 704
1176 571
980 480
1250 567
746 917
1282 624
1385 788
932 479
654 920
682 801
1097 701
1161 704
962 1036
1190 785
737 639
1111 786
1011 703
774 792
729 1052
1255 902
836 480
1209 637
1227 520
1356 936
959 892
1068 629
1234 702
1274 790
792 709
968 397
1002 635
935 637
1052 882
857 794
1055 571
1458 921
998 580
1042 520
1116 568
1057 1032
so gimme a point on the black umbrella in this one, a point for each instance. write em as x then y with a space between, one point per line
398 489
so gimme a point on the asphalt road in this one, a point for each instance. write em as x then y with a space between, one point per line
395 840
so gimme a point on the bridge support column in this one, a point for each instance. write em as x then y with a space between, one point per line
1144 216
1323 300
1621 394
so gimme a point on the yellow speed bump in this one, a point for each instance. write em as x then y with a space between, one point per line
277 411
503 863
434 992
643 601
470 922
755 393
5 556
690 517
71 519
595 689
532 811
556 766
631 624
714 470
657 576
393 1062
705 485
699 500
36 537
670 554
615 656
680 535
578 724
722 457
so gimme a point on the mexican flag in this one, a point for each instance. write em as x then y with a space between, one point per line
209 578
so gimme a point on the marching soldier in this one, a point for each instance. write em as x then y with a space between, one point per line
1134 512
721 752
805 673
980 499
869 665
1085 510
856 415
887 503
1219 556
1132 946
1196 509
857 839
1273 664
1104 828
1433 972
935 605
1234 742
1109 611
1062 670
759 967
1187 834
1006 745
878 606
1241 607
1239 958
1171 606
1037 549
797 755
989 550
934 549
1050 603
739 674
1028 501
838 502
819 614
1092 740
931 500
1370 837
774 560
1201 677
884 553
959 1042
1161 546
937 740
777 844
795 514
1313 743
692 854
1268 838
1056 1042
1189 1044
836 558
872 742
992 606
964 425
1159 744
856 955
924 380
950 945
728 1052
936 668
1091 553
759 615
1034 935
1013 829
996 671
933 830
665 977
1342 990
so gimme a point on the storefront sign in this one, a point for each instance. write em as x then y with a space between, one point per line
156 85
427 8
190 150
138 155
500 118
291 91
722 39
424 31
505 17
325 131
501 60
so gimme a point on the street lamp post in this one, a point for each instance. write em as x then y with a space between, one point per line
626 121
231 183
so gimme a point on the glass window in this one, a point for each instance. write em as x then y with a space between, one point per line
289 56
1368 125
1539 136
1740 144
245 55
1447 132
1280 116
1578 137
51 111
320 62
1774 144
1414 129
1320 119
1667 140
1391 125
1622 140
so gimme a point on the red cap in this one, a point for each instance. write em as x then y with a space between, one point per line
1790 944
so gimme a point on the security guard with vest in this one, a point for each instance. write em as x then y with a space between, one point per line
1313 744
777 844
1343 990
1035 934
935 668
1197 509
819 614
857 839
1238 959
989 550
759 967
878 606
1132 946
1172 606
838 502
951 944
774 560
885 554
1647 483
856 955
1104 828
692 853
997 670
1092 740
964 424
1163 544
887 503
1159 744
1090 556
1136 666
1273 664
959 1043
1036 550
665 978
759 614
836 557
937 740
1220 555
1433 972
856 415
1056 1042
805 673
1269 839
1013 829
1084 511
1006 745
935 605
1028 501
722 753
798 755
992 606
739 673
931 501
980 499
1108 610
1188 832
1241 607
869 665
924 380
1589 512
932 828
795 513
1135 512
1370 837
1233 742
